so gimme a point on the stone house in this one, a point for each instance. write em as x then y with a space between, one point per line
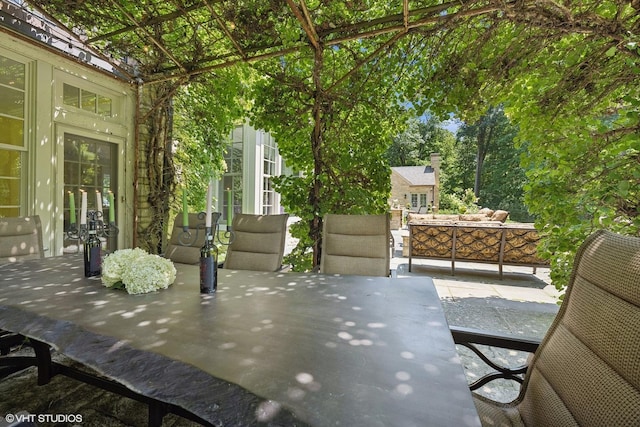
416 187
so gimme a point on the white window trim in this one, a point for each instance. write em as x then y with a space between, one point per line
62 77
57 197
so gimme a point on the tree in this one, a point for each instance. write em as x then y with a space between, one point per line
332 116
404 149
205 112
483 134
489 162
567 74
422 136
436 139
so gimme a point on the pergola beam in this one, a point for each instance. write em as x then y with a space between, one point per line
151 21
148 35
305 21
225 30
204 53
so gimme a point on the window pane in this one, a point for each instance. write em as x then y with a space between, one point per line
237 193
71 150
88 101
236 161
71 172
9 212
87 175
12 111
11 102
10 174
104 106
9 192
71 95
12 73
90 165
237 134
12 131
103 155
267 195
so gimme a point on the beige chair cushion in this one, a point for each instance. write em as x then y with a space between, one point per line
499 215
20 239
355 244
189 254
586 372
258 242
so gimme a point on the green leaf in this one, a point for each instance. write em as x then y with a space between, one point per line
623 188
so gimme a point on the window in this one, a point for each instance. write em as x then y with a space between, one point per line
267 196
86 100
10 178
12 140
419 200
232 180
269 170
89 165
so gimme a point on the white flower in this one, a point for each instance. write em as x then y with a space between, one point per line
137 271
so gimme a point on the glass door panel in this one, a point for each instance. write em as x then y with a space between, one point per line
90 165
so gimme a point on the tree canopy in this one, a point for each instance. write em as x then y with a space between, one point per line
336 77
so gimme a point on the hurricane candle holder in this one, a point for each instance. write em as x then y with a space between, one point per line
188 238
81 231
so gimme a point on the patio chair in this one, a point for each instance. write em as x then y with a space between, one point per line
257 242
189 254
355 244
20 239
586 371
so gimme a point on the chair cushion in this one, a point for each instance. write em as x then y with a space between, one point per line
188 250
499 215
20 239
586 371
183 254
354 265
355 244
258 242
252 261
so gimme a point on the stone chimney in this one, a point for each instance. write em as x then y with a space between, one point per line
435 164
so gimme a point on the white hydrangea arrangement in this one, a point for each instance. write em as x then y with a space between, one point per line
137 271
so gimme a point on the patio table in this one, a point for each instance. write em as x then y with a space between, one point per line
279 348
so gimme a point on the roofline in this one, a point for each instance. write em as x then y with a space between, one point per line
46 33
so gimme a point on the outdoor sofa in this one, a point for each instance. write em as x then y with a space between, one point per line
482 241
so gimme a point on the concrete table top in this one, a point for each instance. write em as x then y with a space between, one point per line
272 348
